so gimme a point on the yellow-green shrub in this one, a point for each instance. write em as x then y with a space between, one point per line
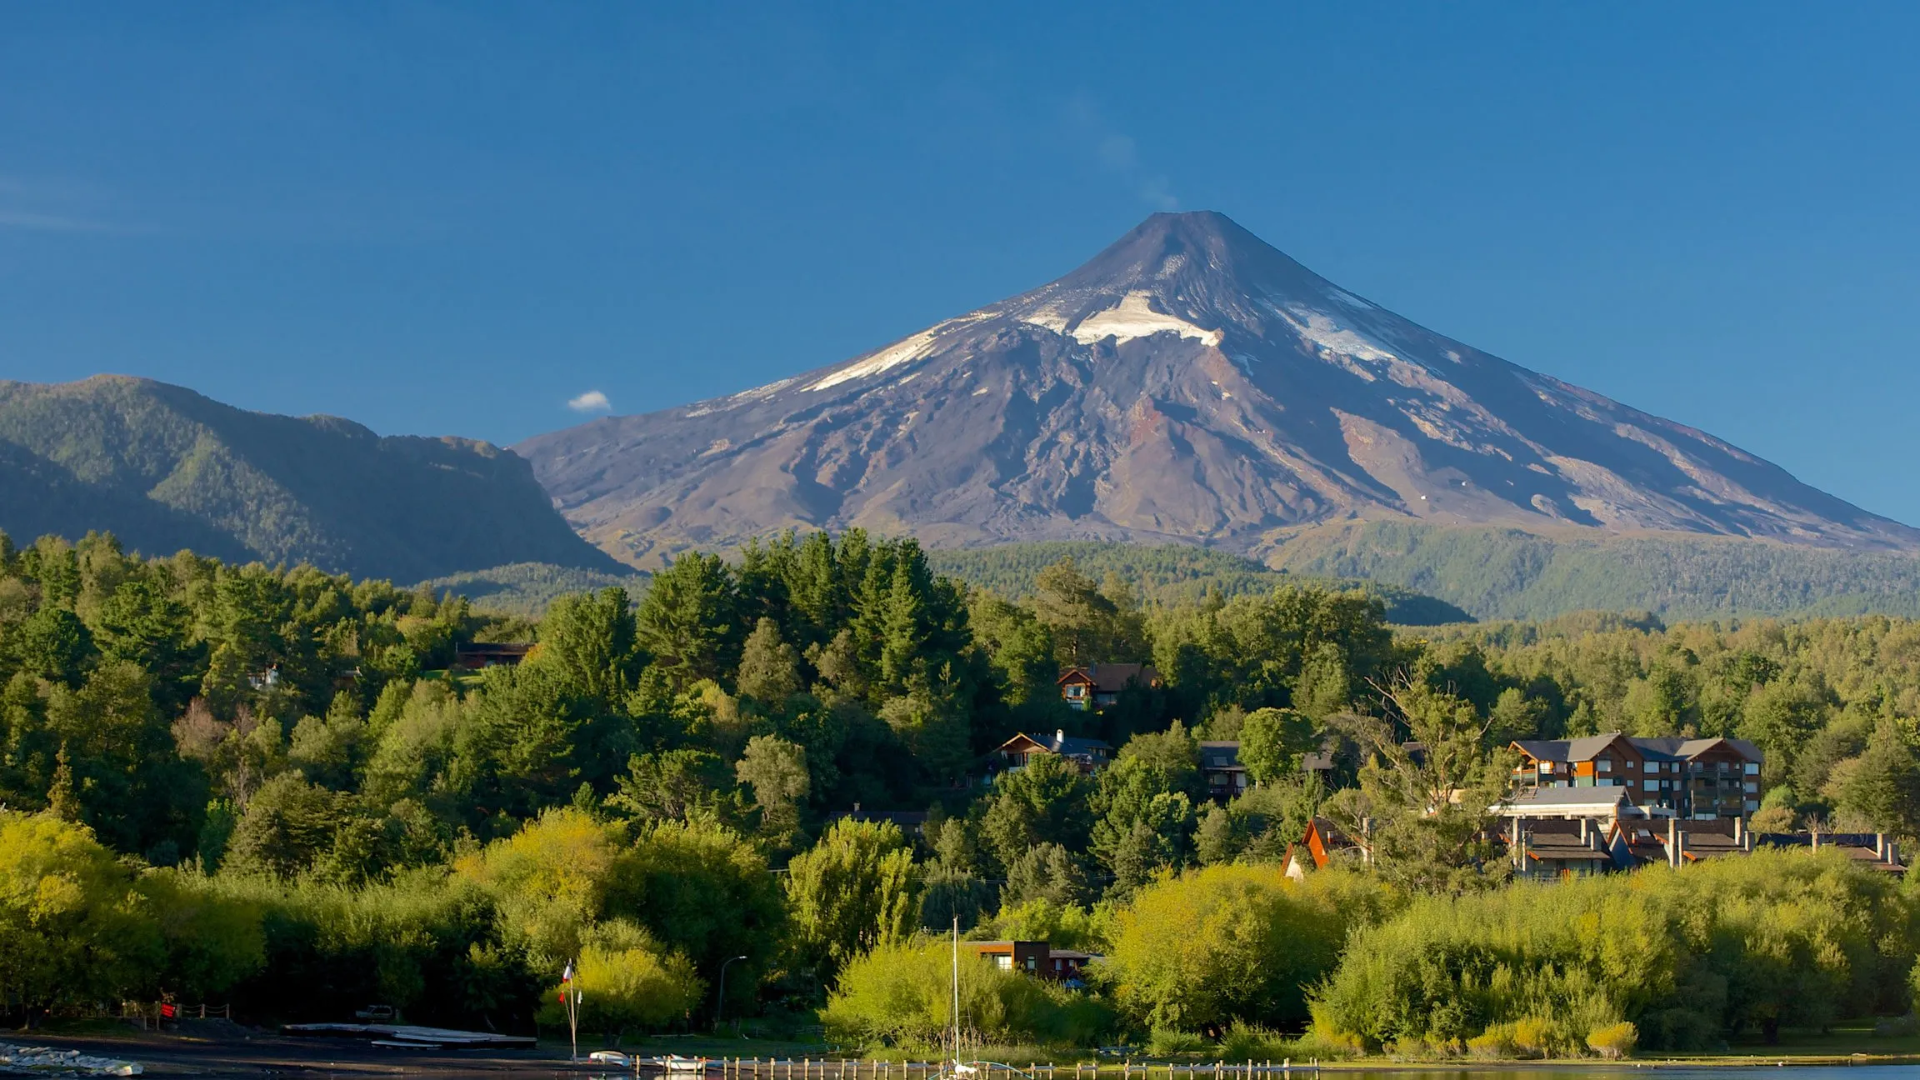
1615 1040
901 994
1495 1042
1768 939
1233 942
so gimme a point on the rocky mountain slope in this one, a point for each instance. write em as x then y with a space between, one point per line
1189 383
164 468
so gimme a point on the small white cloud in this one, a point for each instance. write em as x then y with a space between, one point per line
591 401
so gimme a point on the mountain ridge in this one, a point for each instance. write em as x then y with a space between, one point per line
165 468
1190 383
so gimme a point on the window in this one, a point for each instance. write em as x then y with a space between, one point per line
1632 764
1004 962
1603 764
1650 785
1753 768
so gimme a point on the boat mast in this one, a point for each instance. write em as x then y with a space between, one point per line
956 989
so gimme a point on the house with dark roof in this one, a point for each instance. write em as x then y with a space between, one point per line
1558 848
1096 686
1089 754
1693 778
1877 851
1220 767
1570 832
1678 841
475 655
1036 958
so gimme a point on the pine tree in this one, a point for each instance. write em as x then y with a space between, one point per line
1070 604
1882 785
903 628
817 604
769 667
590 641
689 620
62 801
27 754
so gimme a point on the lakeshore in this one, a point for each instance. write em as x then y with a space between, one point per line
236 1051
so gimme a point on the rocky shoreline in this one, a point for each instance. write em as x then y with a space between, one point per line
47 1061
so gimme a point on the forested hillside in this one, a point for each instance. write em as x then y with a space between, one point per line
529 589
166 469
1168 574
311 813
1510 574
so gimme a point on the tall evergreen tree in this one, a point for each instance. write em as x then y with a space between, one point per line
590 643
688 622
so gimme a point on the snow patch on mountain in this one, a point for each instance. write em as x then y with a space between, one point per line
1323 407
904 352
1322 331
1134 317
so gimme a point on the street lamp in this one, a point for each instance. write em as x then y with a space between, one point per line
720 999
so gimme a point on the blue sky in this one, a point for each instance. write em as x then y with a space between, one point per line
453 218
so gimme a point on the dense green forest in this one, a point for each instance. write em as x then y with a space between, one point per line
1165 574
1509 574
264 785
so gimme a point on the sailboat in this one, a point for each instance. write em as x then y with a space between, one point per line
954 1068
960 1068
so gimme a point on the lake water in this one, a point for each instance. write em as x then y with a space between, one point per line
1650 1069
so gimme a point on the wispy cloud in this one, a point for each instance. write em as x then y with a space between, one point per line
1117 152
38 206
593 401
21 219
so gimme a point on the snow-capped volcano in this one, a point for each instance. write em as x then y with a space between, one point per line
1190 382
